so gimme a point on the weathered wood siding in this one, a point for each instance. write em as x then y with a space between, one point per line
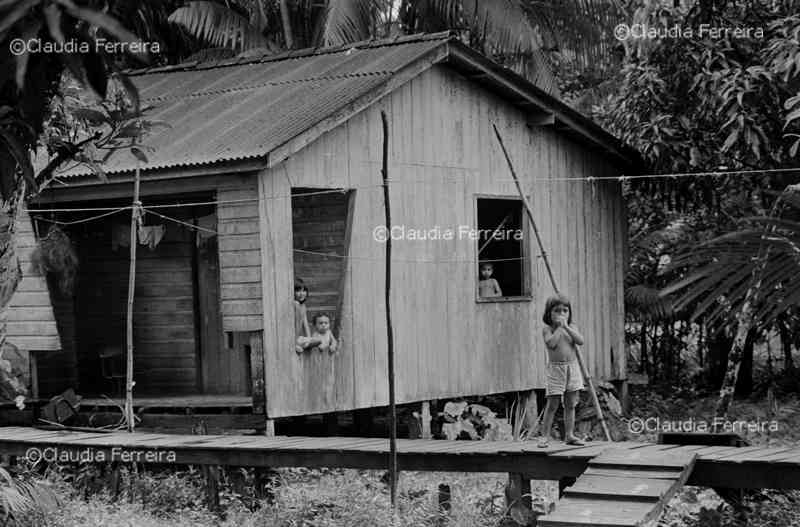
442 154
240 258
31 324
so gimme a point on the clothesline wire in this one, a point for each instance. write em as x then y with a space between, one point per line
405 260
185 223
590 179
83 220
342 256
215 202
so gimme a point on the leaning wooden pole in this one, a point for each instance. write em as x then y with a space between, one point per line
389 333
528 210
135 211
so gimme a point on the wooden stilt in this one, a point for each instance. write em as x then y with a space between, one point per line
114 479
518 499
210 474
425 416
445 498
269 431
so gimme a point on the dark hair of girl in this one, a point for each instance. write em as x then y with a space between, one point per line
555 301
301 287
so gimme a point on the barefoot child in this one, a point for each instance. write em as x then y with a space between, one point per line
563 372
488 286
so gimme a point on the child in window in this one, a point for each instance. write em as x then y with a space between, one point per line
304 340
488 286
564 378
323 333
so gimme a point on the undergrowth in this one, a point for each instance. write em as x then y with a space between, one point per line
323 498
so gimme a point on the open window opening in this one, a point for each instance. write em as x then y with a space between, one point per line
321 222
502 270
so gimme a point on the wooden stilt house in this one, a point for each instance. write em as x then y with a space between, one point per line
270 172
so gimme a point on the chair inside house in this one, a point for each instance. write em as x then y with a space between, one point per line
112 368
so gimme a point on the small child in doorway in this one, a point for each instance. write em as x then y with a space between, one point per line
564 378
304 339
488 286
323 333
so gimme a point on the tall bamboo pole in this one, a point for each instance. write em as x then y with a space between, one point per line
528 210
389 332
135 211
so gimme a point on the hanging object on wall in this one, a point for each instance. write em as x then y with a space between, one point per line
206 228
151 235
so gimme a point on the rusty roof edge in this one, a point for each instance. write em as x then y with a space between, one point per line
294 54
463 57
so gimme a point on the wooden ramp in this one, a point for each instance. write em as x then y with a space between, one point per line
622 488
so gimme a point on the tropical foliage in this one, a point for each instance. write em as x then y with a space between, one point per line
39 40
708 106
528 36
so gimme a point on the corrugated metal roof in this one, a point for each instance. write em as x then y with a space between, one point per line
243 111
244 108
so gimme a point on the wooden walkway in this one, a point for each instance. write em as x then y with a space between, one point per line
623 488
638 478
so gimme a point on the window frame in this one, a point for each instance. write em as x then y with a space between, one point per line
527 270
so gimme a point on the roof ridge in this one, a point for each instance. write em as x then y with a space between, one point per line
249 87
196 65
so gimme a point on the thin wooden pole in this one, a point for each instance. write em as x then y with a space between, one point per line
389 333
135 211
528 210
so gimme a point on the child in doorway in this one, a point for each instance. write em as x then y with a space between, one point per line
488 286
323 333
304 339
564 378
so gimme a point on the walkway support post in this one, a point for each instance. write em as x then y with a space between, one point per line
135 218
389 333
528 210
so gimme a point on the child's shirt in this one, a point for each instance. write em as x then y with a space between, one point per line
300 320
560 345
489 288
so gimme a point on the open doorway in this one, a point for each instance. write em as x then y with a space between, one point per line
321 222
177 333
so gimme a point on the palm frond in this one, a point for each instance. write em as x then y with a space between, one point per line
721 271
20 496
218 25
348 21
502 24
647 302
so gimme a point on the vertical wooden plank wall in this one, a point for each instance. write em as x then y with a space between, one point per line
240 258
442 154
31 324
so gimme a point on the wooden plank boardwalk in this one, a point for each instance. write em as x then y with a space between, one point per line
618 484
715 466
622 488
